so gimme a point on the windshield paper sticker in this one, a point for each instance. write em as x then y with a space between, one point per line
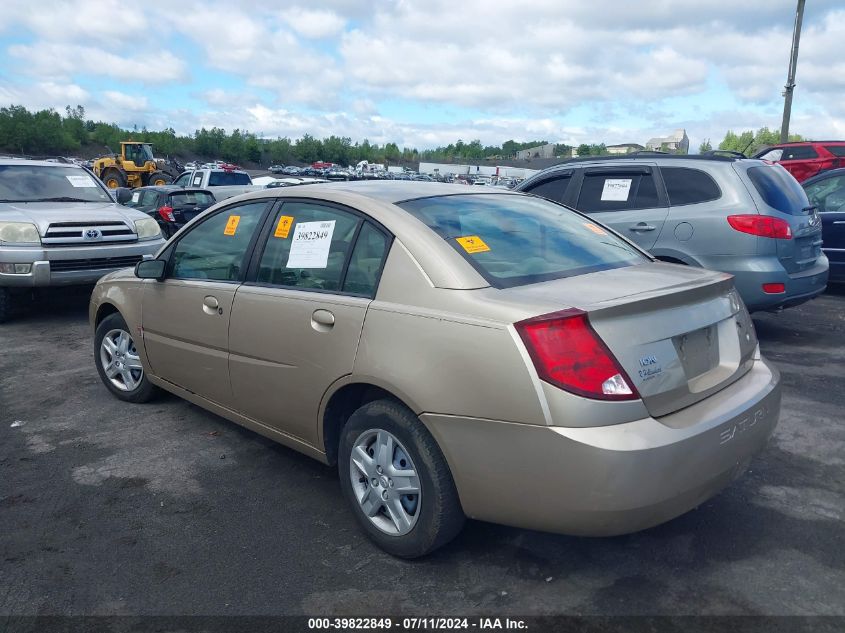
616 189
311 244
595 229
232 225
473 244
81 181
283 227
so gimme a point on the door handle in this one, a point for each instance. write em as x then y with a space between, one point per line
322 319
642 226
210 305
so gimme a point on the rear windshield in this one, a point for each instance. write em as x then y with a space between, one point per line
779 189
191 199
39 183
221 178
512 240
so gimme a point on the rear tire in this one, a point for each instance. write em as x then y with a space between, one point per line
158 179
405 525
117 361
113 178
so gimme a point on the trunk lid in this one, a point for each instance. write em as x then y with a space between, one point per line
680 333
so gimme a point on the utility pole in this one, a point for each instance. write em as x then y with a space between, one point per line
790 80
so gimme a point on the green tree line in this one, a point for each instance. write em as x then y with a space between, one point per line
47 132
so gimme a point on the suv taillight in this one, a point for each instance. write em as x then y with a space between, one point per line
568 353
761 225
166 214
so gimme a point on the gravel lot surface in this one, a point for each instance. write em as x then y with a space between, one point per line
111 508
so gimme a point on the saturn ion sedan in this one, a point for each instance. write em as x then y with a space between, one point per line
455 353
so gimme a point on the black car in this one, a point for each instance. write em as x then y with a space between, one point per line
826 191
172 206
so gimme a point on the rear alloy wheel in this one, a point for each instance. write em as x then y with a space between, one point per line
118 361
114 178
158 179
397 481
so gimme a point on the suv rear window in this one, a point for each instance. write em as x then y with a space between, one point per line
836 150
512 240
779 189
221 178
191 199
689 186
799 152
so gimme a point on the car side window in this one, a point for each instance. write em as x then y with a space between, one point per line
828 194
552 188
197 180
772 155
799 152
617 191
366 262
215 249
689 186
308 247
183 180
147 201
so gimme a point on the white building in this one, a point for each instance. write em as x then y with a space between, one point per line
677 141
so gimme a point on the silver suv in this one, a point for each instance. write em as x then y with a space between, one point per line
742 216
60 226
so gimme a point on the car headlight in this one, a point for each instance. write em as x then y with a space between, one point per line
19 233
147 228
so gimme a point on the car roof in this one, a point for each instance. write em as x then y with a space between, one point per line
806 143
38 163
830 173
646 156
389 191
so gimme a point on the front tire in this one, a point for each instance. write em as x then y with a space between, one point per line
5 305
397 481
118 362
114 178
159 179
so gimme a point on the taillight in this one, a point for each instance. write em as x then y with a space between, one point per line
569 354
762 225
166 214
774 288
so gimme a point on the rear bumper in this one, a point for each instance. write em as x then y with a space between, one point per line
71 266
603 481
750 273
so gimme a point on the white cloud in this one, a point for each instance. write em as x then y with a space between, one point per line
314 23
59 60
123 101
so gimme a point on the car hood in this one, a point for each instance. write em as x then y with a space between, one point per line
42 214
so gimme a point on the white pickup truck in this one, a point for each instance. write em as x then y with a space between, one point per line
223 183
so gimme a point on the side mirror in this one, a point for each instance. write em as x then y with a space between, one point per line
150 269
123 195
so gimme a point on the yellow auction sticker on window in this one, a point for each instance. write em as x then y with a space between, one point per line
473 244
283 227
595 229
232 225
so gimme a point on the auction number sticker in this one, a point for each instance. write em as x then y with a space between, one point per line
311 244
232 225
473 244
283 227
81 181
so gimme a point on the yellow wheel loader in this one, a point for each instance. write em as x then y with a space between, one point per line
134 167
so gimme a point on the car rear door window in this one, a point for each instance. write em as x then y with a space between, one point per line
366 262
779 189
689 186
612 191
799 152
215 249
308 247
836 150
552 188
191 199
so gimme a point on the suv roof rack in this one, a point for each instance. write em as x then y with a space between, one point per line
724 152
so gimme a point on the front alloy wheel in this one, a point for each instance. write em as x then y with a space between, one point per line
120 360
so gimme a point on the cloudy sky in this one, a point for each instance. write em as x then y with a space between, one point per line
426 72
